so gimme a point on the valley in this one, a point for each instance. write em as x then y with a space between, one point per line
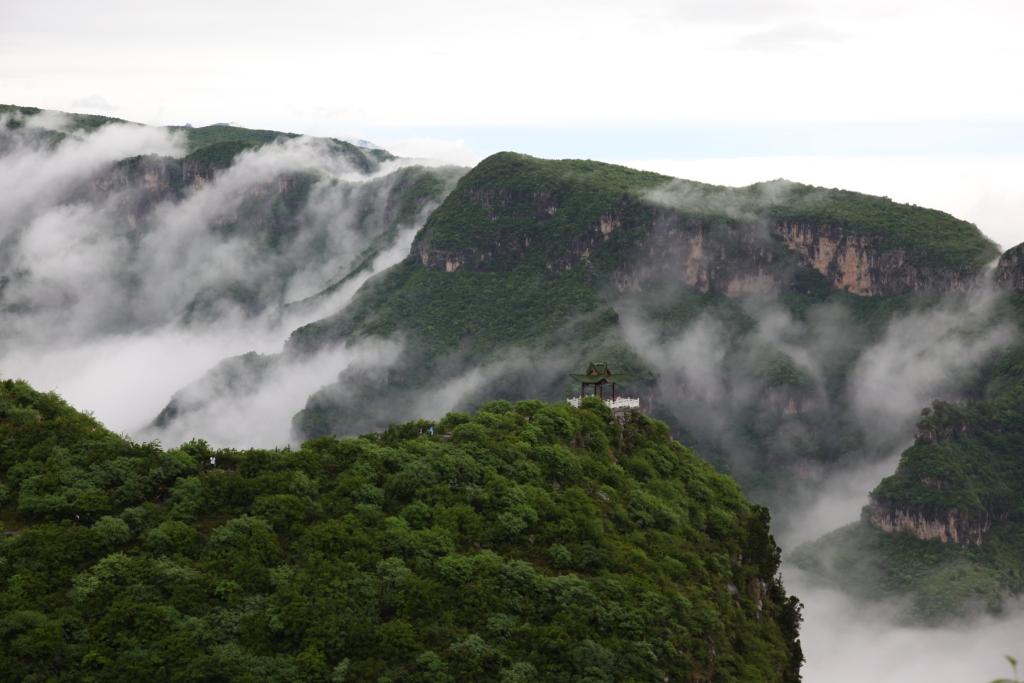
300 311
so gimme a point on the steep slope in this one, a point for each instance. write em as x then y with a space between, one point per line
572 214
527 542
206 223
608 227
531 267
946 530
215 144
1010 269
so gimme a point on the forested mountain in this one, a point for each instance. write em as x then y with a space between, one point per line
531 266
527 542
792 334
945 533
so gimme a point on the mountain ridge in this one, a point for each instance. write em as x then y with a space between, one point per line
527 542
554 252
945 531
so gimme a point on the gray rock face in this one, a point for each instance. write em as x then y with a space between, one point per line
946 526
1010 270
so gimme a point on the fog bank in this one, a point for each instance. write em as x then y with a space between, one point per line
118 289
847 642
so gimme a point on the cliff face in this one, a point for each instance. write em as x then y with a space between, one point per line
1010 270
140 183
862 264
945 526
723 258
942 536
963 476
160 176
733 244
528 253
734 259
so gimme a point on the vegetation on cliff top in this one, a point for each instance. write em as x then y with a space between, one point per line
965 468
216 144
523 275
527 542
583 191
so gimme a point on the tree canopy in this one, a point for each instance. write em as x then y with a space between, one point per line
527 542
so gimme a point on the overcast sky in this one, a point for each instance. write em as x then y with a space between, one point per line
869 94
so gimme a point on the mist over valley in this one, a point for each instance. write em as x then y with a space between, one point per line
318 360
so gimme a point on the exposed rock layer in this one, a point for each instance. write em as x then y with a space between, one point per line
859 264
1010 270
946 526
729 257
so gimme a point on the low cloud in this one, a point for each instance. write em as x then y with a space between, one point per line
923 355
434 150
981 189
262 415
92 103
117 292
845 641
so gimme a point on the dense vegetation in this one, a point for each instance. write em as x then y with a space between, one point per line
525 543
967 459
932 236
966 462
83 122
493 309
923 582
533 280
217 144
583 191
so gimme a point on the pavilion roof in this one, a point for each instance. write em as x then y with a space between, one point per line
598 372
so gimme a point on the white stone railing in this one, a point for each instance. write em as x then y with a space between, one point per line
619 402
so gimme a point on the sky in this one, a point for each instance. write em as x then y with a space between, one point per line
918 100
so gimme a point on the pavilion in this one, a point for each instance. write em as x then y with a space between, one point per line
601 381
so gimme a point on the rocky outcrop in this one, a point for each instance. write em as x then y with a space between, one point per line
730 259
655 244
1010 269
945 526
860 264
157 176
643 246
788 401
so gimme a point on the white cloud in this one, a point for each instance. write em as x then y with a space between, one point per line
263 415
102 282
847 642
457 63
455 152
92 103
983 190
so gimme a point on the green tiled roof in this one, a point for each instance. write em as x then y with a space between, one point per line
598 372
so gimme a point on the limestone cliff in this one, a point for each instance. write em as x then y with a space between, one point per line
862 264
1010 269
941 538
616 224
964 474
946 526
